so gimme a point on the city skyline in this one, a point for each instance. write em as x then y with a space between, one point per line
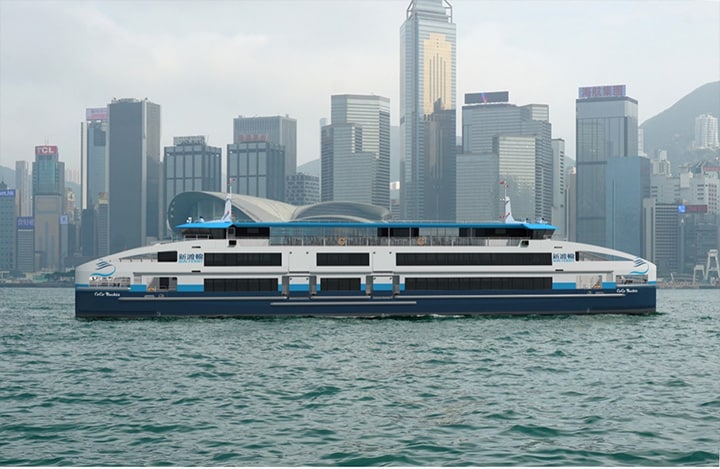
59 58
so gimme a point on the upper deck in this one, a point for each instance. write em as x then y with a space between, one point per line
370 234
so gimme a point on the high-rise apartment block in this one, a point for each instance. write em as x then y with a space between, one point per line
278 130
48 175
355 150
606 127
256 167
706 131
427 111
134 173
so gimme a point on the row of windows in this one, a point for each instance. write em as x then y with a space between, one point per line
352 258
478 283
363 258
241 284
243 259
339 284
353 284
473 258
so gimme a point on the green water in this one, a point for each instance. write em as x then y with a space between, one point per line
603 390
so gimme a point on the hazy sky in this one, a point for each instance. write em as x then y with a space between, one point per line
206 62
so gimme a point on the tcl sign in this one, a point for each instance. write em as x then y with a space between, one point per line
46 150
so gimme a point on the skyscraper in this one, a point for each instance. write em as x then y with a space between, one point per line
302 189
427 111
23 189
355 153
559 191
508 143
134 173
7 227
93 156
48 175
256 167
627 184
190 165
606 127
279 130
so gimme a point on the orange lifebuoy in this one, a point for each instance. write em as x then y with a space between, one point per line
341 241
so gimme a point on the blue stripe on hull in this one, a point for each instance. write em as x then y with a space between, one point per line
127 304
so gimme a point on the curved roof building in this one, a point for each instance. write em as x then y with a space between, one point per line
211 205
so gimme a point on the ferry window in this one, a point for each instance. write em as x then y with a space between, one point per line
167 256
217 233
354 258
398 232
252 232
478 283
167 283
245 259
598 256
473 258
339 284
241 284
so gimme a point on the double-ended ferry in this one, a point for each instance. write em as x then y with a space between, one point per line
345 269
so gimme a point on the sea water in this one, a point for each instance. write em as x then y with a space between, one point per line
558 390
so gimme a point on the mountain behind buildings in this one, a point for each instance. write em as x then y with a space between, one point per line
673 130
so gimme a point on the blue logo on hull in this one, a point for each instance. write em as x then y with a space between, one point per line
103 269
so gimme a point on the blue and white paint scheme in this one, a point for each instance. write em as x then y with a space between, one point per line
385 269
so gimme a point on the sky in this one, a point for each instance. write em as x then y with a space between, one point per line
207 62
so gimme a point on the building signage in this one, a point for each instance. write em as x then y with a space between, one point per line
692 208
253 138
196 140
7 193
46 150
487 97
25 223
64 219
608 91
96 114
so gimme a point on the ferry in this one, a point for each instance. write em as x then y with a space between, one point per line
377 269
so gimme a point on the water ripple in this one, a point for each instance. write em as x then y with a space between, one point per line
592 390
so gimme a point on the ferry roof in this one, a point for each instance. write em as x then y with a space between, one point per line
382 224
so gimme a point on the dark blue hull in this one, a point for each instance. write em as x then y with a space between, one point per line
125 304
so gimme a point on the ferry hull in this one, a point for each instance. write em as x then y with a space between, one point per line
100 304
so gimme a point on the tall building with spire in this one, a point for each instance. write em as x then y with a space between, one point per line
427 111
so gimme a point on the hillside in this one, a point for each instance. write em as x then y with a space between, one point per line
674 128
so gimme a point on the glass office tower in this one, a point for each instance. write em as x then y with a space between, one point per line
606 127
355 153
134 173
427 111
